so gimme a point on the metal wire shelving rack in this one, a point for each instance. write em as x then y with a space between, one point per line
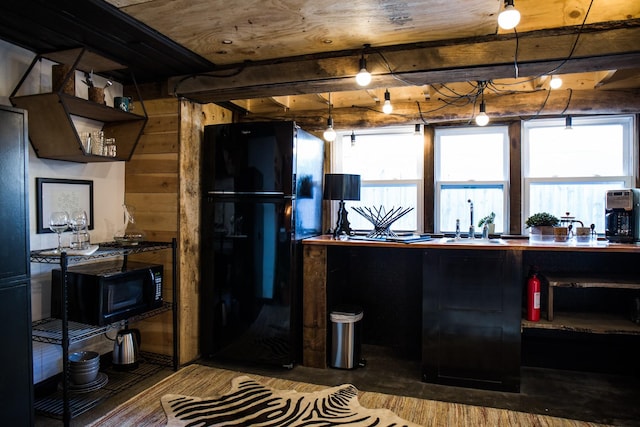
63 403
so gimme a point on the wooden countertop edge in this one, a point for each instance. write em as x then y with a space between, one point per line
510 244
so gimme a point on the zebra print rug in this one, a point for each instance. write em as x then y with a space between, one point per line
250 403
146 409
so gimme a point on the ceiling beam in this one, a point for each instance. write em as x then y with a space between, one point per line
499 107
598 47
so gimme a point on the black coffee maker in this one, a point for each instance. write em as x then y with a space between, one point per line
622 215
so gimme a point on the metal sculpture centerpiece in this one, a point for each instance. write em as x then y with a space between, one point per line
382 219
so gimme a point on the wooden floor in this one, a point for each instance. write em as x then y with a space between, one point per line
607 399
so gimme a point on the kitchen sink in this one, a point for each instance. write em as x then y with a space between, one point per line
454 241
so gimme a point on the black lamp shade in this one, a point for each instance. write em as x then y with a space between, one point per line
338 186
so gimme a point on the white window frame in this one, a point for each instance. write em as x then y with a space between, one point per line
439 184
630 156
337 167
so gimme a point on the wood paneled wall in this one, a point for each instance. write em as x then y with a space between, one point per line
162 184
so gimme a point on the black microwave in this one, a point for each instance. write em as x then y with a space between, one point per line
105 292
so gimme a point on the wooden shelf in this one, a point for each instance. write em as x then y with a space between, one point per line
51 128
591 323
88 61
592 281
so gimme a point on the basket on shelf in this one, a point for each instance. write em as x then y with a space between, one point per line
382 219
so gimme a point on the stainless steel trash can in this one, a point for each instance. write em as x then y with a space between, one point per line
346 337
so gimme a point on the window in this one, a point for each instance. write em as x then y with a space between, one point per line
471 164
570 171
390 164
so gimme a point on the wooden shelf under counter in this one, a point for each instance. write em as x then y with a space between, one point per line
591 323
591 281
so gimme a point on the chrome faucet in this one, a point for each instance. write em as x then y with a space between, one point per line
457 229
472 230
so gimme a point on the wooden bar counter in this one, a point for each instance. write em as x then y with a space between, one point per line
457 305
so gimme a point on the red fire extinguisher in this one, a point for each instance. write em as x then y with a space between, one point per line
533 296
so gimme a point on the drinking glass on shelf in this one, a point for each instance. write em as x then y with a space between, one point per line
58 223
78 224
77 220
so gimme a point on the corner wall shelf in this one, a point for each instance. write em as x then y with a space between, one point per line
51 128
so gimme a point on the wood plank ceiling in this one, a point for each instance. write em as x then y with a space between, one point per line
280 59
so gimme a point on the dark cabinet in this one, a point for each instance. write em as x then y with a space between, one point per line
16 371
471 318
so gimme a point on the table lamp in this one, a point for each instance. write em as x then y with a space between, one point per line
338 186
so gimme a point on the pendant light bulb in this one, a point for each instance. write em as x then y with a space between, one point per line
387 108
482 119
556 82
509 18
363 78
330 133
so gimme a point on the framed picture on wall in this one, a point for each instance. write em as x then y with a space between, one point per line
62 195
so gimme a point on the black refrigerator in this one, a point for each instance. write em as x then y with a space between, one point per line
262 194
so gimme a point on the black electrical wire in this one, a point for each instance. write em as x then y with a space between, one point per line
564 61
455 94
515 55
208 75
544 104
501 92
391 72
568 102
575 43
424 121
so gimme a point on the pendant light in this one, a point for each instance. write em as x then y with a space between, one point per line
329 133
482 119
556 82
353 138
509 17
387 108
363 78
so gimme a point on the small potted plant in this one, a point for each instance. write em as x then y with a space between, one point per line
541 225
489 220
